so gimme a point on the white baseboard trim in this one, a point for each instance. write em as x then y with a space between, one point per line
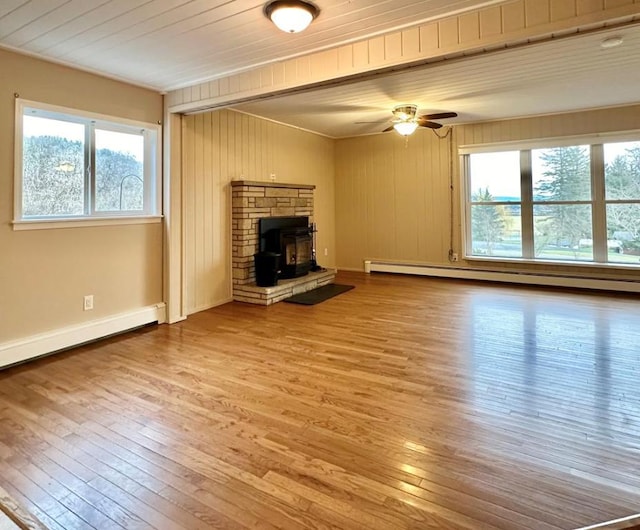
59 339
509 277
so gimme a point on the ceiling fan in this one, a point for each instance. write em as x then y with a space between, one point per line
406 121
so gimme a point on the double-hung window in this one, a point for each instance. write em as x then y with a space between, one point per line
74 166
565 201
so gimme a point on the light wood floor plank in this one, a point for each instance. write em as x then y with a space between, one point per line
406 403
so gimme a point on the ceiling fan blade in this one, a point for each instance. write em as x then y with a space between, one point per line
438 116
430 124
390 128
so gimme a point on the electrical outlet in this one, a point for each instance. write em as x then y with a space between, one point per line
326 251
454 256
272 176
88 302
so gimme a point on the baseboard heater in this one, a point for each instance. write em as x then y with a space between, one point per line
60 339
508 277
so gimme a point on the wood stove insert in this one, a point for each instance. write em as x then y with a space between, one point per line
291 238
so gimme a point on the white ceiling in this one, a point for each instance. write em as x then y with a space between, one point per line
568 74
167 44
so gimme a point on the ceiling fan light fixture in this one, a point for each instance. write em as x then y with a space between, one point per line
291 16
406 128
405 112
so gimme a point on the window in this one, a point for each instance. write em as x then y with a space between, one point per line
495 204
72 166
562 220
575 203
622 194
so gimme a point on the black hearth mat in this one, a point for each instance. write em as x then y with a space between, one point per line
318 295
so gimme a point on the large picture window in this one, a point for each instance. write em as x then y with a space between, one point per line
73 166
569 203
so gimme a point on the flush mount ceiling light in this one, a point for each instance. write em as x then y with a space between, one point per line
291 16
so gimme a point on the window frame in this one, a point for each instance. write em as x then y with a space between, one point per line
597 201
470 203
152 169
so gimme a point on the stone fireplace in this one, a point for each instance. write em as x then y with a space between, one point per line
256 203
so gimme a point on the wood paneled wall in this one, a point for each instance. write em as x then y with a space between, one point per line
225 145
393 197
606 120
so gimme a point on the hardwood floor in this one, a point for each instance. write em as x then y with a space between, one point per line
406 403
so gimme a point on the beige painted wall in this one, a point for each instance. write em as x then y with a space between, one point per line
44 274
225 145
392 196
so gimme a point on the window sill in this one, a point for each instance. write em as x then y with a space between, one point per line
47 224
573 264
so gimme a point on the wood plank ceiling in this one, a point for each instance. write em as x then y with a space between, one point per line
556 76
168 44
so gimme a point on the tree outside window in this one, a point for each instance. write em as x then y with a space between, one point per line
561 187
564 219
73 166
622 191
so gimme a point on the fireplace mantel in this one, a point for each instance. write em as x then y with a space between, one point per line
250 201
272 184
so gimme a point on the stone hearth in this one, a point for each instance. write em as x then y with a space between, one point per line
253 294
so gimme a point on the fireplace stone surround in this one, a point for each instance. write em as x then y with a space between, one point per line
251 201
